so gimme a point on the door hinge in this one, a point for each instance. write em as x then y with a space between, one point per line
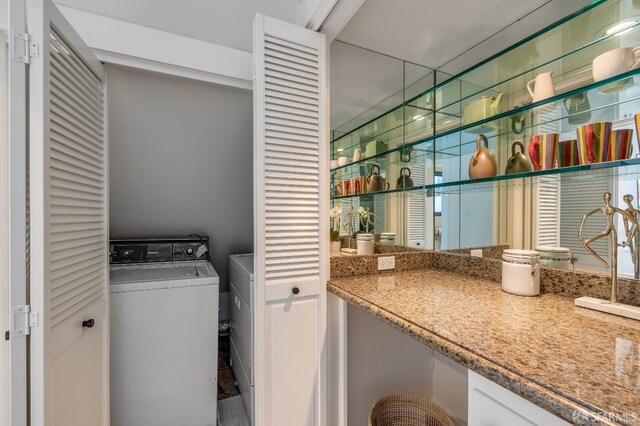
23 49
22 320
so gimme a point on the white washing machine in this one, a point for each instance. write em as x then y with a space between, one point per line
164 333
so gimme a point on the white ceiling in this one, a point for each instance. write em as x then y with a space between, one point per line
432 32
224 22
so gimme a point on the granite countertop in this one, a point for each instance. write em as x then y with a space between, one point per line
573 362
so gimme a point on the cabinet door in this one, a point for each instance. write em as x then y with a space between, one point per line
293 357
68 224
492 405
291 227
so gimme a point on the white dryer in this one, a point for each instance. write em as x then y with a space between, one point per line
241 286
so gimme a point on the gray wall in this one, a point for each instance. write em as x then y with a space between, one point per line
181 162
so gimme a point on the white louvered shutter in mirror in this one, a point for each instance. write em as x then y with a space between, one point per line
291 222
69 230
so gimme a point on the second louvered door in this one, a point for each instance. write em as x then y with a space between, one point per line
291 223
69 352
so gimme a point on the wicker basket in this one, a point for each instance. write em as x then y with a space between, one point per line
407 410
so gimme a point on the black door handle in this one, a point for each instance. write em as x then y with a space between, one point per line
89 323
295 290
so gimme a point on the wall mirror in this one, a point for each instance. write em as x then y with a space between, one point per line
548 91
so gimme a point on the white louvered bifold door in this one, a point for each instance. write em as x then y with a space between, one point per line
548 211
69 229
291 222
577 199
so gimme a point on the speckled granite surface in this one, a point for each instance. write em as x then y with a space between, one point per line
350 265
571 361
571 284
492 252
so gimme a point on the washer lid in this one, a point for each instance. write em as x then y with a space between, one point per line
165 271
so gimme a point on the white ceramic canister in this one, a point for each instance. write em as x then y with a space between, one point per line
555 257
365 244
388 238
521 272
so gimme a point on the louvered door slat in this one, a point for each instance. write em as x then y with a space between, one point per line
63 55
86 275
280 90
287 107
61 133
306 70
291 48
61 275
275 56
72 177
66 119
68 306
288 103
287 115
284 144
77 91
74 152
70 193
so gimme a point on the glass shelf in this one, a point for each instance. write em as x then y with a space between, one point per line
622 169
566 47
605 104
570 70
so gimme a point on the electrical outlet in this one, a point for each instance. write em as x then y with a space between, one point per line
386 262
476 252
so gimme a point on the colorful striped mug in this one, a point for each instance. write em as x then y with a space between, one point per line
621 144
637 121
594 142
543 150
568 153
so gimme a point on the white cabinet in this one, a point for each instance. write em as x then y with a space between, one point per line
492 405
292 354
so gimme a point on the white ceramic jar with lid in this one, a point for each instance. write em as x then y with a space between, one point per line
365 244
555 257
521 272
388 238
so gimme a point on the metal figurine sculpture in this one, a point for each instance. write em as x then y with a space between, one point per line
609 212
634 245
348 225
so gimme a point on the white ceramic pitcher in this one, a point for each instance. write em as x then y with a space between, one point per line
542 87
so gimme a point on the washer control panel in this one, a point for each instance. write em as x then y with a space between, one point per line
158 250
189 251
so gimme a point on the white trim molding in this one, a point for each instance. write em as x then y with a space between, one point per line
338 17
123 43
312 13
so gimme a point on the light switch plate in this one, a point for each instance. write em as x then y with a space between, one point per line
386 262
476 252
